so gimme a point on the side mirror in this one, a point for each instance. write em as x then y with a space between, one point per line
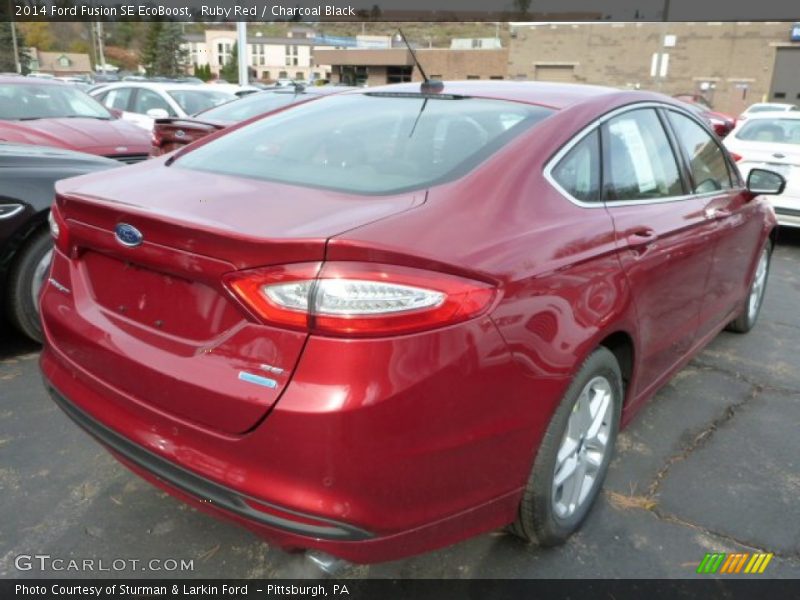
157 113
761 181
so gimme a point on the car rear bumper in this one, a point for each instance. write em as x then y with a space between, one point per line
377 449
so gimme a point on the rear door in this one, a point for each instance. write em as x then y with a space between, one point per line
662 233
732 221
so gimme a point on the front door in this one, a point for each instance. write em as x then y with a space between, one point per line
663 236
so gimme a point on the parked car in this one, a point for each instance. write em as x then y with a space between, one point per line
769 140
53 113
142 103
387 320
27 178
761 107
240 91
170 134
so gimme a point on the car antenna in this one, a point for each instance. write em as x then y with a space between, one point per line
428 85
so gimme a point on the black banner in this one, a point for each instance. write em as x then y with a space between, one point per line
398 10
394 589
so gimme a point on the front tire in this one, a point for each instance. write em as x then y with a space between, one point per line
755 297
573 458
26 278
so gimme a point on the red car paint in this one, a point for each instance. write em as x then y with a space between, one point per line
113 138
374 448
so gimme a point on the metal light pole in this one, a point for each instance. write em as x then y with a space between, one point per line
100 46
241 31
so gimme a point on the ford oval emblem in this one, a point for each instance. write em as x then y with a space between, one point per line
180 133
128 235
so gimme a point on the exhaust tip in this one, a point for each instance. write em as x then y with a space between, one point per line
326 563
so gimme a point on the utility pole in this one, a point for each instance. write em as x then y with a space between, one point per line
101 54
241 31
17 64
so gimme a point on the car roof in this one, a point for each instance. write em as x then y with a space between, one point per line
784 104
161 86
774 114
20 79
552 95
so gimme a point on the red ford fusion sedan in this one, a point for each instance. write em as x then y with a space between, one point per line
387 320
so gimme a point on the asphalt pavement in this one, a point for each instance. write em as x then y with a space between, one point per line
711 464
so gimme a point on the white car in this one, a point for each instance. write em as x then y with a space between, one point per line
235 89
143 102
771 140
761 107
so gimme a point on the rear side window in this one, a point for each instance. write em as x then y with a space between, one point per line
579 171
707 162
368 143
640 164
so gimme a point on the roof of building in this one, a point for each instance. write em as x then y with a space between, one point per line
51 61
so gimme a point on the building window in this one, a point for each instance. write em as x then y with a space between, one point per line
266 75
258 58
283 75
473 76
223 53
477 43
496 77
399 74
291 56
64 61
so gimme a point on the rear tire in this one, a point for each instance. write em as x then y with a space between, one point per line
751 305
30 271
555 503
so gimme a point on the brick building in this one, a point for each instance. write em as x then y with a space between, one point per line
730 64
359 66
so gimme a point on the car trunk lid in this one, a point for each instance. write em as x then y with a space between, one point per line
156 321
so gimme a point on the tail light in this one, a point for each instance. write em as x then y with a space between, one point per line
58 229
359 299
736 157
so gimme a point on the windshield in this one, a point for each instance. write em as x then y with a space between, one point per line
368 144
46 101
194 101
775 131
253 105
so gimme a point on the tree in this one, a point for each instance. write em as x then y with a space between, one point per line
171 57
203 72
8 63
230 70
38 34
149 51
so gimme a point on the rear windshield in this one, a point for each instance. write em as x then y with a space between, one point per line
252 105
769 108
775 131
368 144
194 101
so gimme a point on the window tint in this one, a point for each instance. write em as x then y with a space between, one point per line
368 143
579 171
640 162
706 160
117 98
147 100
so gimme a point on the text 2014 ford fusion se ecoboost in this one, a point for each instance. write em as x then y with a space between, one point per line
390 319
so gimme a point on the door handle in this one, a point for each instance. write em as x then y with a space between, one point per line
717 213
641 237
